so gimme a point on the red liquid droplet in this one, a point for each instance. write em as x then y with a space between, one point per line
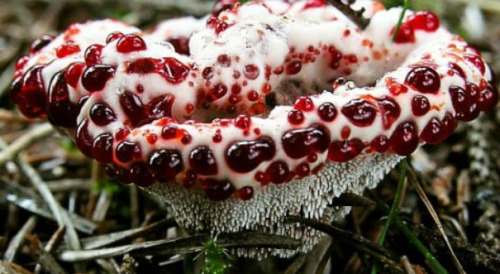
343 151
95 77
390 111
245 156
102 148
101 114
420 105
165 164
299 143
217 190
130 43
424 79
278 172
327 112
245 193
174 71
359 112
202 161
127 151
93 54
404 140
60 110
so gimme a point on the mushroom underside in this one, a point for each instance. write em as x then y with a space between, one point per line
310 197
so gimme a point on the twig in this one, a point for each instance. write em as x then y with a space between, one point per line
184 245
134 206
394 208
104 240
407 265
51 245
356 16
358 242
44 258
416 185
60 215
102 206
18 239
36 133
433 263
296 265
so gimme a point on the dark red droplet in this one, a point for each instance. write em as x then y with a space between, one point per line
127 151
476 61
83 139
245 156
102 148
144 66
404 140
327 112
433 132
60 110
380 144
181 45
293 67
217 190
359 112
114 36
343 151
174 71
133 108
424 20
243 121
302 170
202 161
130 43
251 72
420 105
224 60
216 92
160 107
32 98
304 103
101 114
67 49
488 98
295 117
457 70
245 193
140 175
424 79
73 73
299 143
336 57
93 54
278 172
165 164
207 73
390 111
449 125
406 33
169 132
95 77
41 42
465 102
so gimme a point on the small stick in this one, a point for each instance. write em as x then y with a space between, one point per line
356 16
407 265
18 240
134 206
36 133
51 245
60 215
44 258
416 185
